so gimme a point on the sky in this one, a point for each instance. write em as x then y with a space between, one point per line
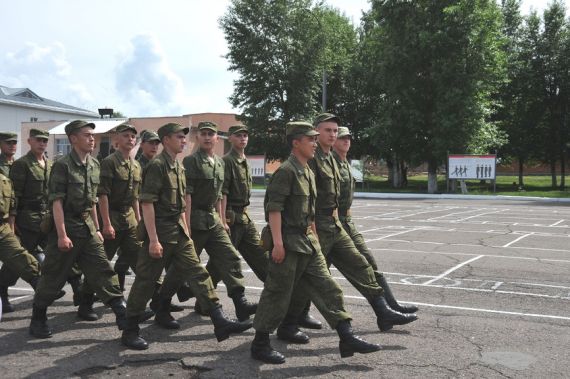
140 57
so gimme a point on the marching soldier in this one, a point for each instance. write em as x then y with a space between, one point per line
204 179
167 243
340 152
8 147
296 258
148 148
75 235
336 244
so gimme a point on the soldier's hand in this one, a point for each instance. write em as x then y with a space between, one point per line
155 250
64 244
278 254
108 232
227 228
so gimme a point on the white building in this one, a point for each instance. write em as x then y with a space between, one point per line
18 105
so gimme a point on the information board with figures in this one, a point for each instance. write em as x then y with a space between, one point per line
463 167
257 165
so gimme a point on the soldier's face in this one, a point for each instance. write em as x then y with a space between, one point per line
239 140
126 140
329 132
207 139
38 146
175 142
8 147
306 146
343 144
150 148
83 140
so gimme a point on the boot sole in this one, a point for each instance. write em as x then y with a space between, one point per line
222 336
347 351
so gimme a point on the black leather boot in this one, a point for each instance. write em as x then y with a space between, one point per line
184 293
38 325
155 302
244 308
119 307
262 351
307 321
392 302
131 337
386 317
121 276
289 331
85 310
224 327
163 316
198 309
75 283
350 344
7 307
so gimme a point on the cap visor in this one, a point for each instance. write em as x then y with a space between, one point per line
312 133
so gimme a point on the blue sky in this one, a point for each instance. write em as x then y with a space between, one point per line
143 57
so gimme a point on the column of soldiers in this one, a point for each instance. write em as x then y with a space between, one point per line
158 215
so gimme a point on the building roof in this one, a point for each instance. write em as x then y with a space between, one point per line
25 97
101 125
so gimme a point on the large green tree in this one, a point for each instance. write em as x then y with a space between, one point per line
440 64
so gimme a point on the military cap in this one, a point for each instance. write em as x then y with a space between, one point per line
149 135
76 125
37 133
237 128
300 128
7 136
326 117
343 131
124 127
171 128
208 125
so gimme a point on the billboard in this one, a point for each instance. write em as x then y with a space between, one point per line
257 165
463 167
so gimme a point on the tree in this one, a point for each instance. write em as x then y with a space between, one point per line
279 49
441 62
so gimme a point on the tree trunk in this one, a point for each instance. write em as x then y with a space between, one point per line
432 177
521 171
390 165
562 170
553 172
404 174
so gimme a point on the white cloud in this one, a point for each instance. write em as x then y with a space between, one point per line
146 82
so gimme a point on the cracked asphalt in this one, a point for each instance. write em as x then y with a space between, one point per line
491 279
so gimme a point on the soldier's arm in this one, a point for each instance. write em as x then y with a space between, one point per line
96 221
188 212
18 174
277 192
57 194
136 209
150 193
12 212
188 167
108 231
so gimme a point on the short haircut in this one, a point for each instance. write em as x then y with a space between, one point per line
292 137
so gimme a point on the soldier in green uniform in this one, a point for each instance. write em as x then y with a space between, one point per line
337 246
8 147
296 258
75 235
148 148
12 254
167 244
340 152
204 179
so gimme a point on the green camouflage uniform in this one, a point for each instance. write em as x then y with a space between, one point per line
204 178
30 188
12 254
292 192
5 165
164 185
75 184
347 183
243 233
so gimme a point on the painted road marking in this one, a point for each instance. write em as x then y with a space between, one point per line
453 269
517 239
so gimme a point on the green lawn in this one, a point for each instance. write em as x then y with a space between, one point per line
538 186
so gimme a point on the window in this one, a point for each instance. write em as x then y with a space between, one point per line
62 147
33 119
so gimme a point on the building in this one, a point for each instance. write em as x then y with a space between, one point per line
20 105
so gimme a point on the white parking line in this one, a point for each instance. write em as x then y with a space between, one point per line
556 223
453 269
391 235
517 239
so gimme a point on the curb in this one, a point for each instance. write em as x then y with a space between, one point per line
425 196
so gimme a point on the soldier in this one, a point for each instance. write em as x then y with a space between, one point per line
12 254
29 176
204 178
340 151
337 246
148 148
8 147
75 235
169 245
296 258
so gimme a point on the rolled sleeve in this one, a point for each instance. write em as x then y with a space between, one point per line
58 182
153 183
278 191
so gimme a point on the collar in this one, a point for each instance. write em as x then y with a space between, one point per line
321 154
237 156
299 168
205 157
168 159
77 161
338 158
118 156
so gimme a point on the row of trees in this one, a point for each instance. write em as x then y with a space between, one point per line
415 80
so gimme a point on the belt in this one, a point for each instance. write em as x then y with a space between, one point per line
297 229
325 212
82 215
239 209
34 207
344 212
122 209
205 209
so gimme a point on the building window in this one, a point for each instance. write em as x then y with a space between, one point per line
62 146
33 119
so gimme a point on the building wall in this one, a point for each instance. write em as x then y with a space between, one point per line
12 117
